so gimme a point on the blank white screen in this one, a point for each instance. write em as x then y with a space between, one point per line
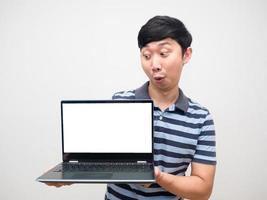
107 127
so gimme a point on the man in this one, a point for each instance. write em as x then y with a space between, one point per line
184 131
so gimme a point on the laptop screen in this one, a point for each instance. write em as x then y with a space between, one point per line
107 127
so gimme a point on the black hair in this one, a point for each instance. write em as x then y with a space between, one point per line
161 27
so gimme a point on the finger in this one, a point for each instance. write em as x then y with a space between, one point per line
55 184
62 184
157 172
147 185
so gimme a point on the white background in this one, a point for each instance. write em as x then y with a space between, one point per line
52 50
107 128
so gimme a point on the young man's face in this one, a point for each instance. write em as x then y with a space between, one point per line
163 61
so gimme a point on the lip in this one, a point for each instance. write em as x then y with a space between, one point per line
158 78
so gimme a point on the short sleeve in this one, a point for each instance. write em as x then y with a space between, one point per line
206 145
124 95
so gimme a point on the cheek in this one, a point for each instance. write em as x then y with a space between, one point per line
148 73
174 68
145 67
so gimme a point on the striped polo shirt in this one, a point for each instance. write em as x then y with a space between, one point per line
183 133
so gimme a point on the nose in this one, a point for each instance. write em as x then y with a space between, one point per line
156 66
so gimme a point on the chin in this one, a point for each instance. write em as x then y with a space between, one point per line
161 86
165 87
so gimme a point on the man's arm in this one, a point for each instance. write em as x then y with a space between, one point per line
197 186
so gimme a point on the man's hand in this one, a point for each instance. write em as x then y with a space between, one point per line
58 184
157 172
196 186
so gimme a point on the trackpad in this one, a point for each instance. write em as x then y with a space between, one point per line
91 176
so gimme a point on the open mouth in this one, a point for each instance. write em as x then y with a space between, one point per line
158 78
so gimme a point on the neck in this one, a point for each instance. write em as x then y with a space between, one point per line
163 98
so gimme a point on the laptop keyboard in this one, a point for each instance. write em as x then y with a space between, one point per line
105 167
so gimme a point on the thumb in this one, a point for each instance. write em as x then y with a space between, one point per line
157 172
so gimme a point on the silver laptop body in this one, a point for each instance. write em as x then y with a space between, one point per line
105 141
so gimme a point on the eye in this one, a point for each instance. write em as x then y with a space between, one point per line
146 56
164 54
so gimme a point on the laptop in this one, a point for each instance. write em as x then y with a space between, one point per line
105 141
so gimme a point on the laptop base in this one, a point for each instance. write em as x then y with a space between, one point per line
96 177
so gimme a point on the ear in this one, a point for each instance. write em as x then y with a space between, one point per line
187 55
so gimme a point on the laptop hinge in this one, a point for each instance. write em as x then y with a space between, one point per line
141 161
73 161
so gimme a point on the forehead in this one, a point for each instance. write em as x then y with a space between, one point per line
167 42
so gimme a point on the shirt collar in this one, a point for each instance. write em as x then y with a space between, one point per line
181 103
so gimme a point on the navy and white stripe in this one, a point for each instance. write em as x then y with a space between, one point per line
183 133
